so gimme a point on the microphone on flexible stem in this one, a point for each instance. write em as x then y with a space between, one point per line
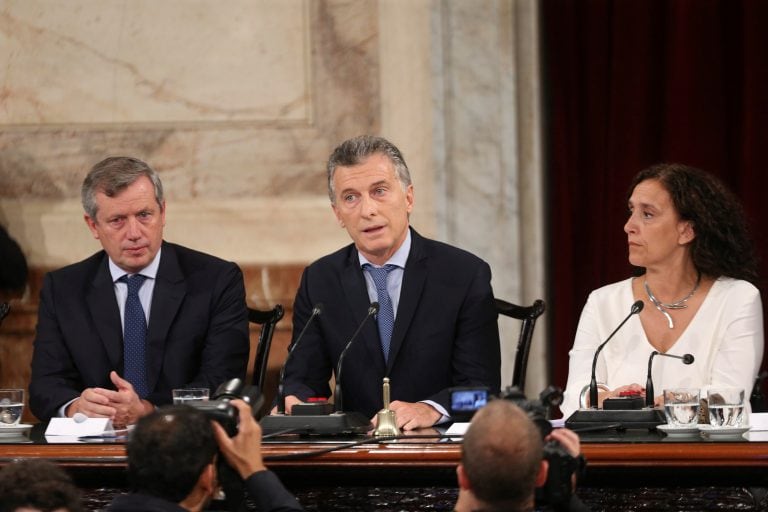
311 421
686 358
337 401
316 311
636 308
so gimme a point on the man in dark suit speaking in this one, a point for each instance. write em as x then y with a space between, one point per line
436 326
119 330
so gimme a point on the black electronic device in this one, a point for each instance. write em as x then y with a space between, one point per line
620 419
337 423
466 400
220 409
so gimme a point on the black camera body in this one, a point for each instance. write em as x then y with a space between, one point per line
221 410
557 490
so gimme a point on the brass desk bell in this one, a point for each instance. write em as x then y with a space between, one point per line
386 422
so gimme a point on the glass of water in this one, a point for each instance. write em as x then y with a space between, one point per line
11 406
681 407
186 395
726 406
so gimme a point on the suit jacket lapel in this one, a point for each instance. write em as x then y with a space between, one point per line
105 312
356 294
169 292
414 277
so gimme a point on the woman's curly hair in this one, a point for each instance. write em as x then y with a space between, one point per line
722 245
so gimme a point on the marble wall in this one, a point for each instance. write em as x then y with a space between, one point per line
238 104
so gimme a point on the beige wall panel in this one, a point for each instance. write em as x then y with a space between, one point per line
175 61
286 81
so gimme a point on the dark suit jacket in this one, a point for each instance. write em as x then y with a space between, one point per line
197 334
445 333
264 488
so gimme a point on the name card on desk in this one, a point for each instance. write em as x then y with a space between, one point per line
73 428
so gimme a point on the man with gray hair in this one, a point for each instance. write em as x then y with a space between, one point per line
436 325
119 330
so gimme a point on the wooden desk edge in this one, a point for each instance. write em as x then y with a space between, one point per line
423 456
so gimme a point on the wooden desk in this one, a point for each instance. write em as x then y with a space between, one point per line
618 474
425 456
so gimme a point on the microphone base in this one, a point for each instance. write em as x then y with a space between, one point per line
338 423
619 419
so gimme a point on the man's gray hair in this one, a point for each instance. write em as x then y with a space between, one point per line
354 151
111 176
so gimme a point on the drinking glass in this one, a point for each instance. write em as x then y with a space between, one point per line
11 406
186 395
681 406
726 406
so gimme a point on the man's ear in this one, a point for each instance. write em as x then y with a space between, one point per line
208 481
338 215
541 477
91 223
461 476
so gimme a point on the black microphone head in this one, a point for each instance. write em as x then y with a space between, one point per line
637 307
318 309
687 359
374 308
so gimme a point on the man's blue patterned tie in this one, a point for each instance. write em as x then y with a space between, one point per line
135 336
386 317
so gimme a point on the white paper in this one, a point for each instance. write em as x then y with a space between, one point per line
72 428
457 429
758 421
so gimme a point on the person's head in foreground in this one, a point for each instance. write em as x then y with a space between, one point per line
498 470
37 485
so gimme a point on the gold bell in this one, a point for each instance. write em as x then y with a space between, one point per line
386 421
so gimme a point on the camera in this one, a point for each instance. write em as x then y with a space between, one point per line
221 410
465 401
556 492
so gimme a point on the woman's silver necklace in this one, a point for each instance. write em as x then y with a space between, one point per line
663 306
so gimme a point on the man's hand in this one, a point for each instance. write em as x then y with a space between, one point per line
568 439
411 416
290 401
128 406
93 404
243 452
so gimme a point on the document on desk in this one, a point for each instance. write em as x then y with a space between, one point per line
457 429
758 421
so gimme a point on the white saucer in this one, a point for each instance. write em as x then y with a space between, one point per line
14 430
710 431
673 431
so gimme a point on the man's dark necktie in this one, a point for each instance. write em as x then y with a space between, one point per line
386 316
135 336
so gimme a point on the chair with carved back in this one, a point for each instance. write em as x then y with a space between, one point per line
268 320
528 315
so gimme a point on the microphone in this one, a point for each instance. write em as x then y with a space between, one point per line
686 358
636 308
316 311
322 423
338 406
